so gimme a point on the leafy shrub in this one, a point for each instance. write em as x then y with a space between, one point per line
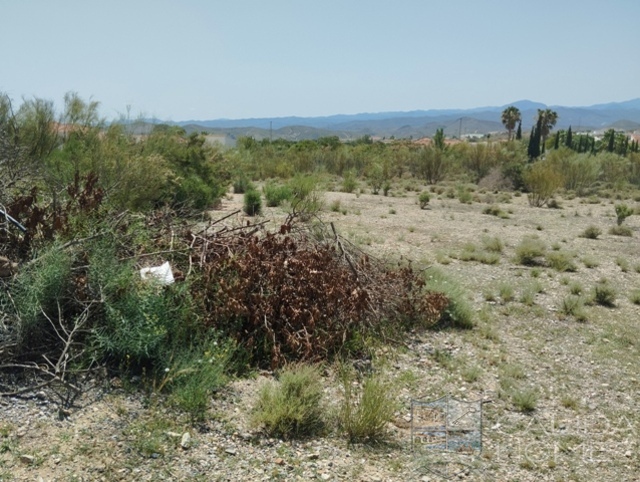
542 180
622 212
195 373
292 407
634 297
529 251
591 232
349 182
276 194
307 199
252 202
364 415
39 290
241 185
424 199
464 195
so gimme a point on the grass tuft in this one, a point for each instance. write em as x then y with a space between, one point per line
292 406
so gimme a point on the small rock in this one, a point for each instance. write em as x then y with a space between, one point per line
231 451
325 476
173 434
27 459
185 441
627 453
279 461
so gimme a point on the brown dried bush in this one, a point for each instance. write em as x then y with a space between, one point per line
290 296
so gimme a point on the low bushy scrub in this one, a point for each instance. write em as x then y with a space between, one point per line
423 199
458 312
591 232
561 261
604 294
276 194
366 409
530 251
291 406
252 202
621 230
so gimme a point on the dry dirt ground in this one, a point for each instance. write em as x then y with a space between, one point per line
561 391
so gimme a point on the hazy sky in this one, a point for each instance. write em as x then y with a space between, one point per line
199 59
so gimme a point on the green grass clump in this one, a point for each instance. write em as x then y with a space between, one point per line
506 292
573 305
252 202
604 294
591 232
458 314
623 264
423 199
196 374
621 230
292 406
530 251
590 262
575 288
471 252
276 194
634 297
492 244
495 210
366 409
561 261
525 400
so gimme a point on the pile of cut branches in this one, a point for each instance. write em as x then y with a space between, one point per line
302 293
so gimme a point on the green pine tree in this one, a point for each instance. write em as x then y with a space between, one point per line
568 140
519 131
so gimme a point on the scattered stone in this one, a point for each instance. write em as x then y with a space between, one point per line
27 459
325 476
231 451
173 434
185 442
279 461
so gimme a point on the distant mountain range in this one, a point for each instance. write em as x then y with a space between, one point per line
422 123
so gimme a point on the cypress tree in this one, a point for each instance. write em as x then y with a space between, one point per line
568 141
519 131
534 141
556 142
612 140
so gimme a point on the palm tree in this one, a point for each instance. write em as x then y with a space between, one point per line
548 119
510 117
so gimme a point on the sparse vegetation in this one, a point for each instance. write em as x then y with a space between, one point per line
292 406
366 408
604 294
591 232
530 251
